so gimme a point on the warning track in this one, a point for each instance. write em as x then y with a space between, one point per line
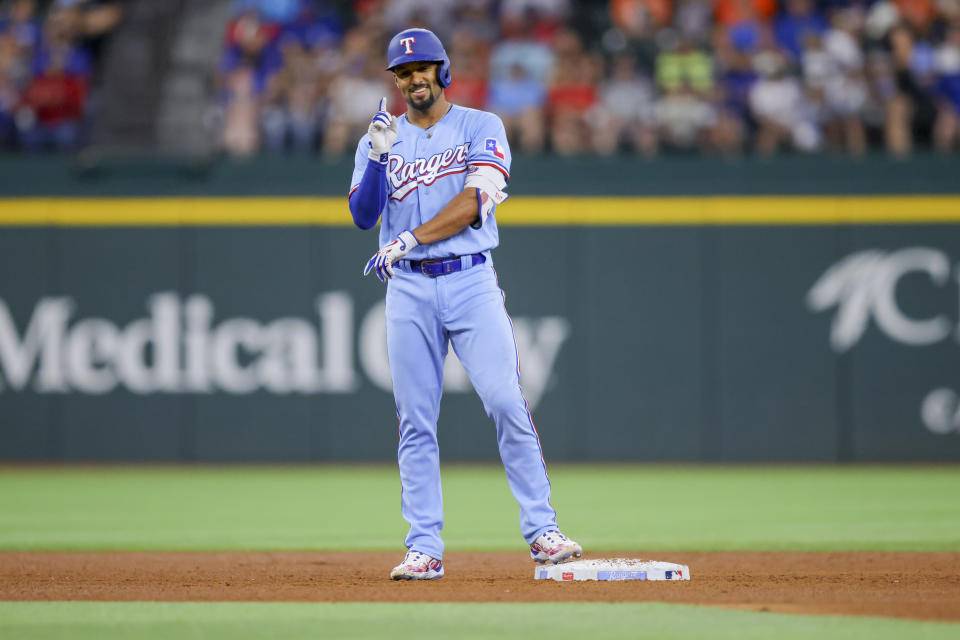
921 586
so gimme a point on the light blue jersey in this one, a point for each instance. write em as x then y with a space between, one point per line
428 167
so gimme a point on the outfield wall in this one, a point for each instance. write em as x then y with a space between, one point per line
730 329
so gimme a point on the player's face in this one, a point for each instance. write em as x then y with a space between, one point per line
417 82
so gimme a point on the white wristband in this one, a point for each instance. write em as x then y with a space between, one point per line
408 239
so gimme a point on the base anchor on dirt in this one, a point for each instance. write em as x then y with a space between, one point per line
612 569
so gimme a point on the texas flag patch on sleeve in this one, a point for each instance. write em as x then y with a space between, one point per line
491 145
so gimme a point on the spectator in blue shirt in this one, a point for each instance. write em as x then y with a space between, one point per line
947 127
791 26
317 26
19 21
519 99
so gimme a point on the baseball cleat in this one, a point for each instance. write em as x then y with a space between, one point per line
554 547
417 566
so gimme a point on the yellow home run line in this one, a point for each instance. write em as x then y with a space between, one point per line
523 210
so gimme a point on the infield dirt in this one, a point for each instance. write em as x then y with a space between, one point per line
921 586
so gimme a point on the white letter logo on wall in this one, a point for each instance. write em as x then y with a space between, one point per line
180 348
863 288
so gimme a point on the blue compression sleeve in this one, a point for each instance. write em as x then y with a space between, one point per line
370 196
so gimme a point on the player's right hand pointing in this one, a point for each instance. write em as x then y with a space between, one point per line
383 133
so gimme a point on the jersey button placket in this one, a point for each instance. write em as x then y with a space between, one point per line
420 151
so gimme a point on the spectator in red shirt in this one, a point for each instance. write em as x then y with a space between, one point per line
572 93
469 57
50 113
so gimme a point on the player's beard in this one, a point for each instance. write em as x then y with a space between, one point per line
424 104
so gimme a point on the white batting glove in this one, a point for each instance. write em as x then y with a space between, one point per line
382 261
383 133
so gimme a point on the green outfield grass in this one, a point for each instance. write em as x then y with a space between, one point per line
233 621
604 507
338 507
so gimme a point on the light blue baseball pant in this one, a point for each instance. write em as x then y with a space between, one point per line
465 309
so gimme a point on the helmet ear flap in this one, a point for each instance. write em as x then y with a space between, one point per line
443 73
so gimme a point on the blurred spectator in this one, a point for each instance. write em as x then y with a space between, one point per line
469 85
96 20
573 91
544 17
684 118
693 21
844 81
50 113
12 70
519 100
291 117
354 94
47 69
734 119
947 128
250 39
294 99
240 134
798 20
737 79
832 94
19 39
912 110
685 66
641 18
18 20
317 26
627 111
747 34
783 114
517 47
250 58
881 89
59 44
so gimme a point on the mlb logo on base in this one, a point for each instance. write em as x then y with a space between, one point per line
493 147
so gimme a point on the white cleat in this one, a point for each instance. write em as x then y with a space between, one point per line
417 566
554 547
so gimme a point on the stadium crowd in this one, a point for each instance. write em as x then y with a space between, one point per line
566 77
49 54
641 76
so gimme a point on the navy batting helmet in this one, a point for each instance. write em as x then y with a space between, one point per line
415 45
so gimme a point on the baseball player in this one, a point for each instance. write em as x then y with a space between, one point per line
433 178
